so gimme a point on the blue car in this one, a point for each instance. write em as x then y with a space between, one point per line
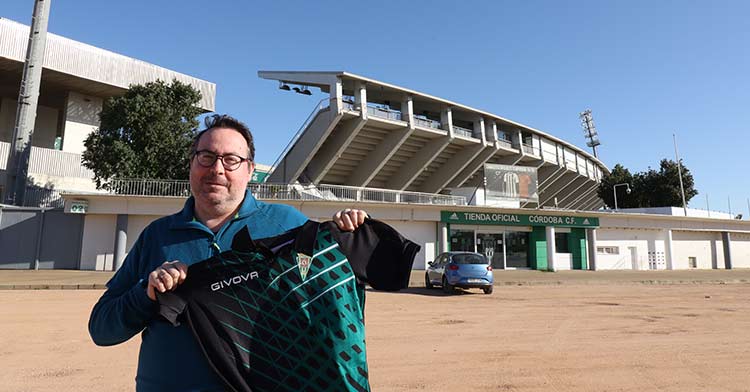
459 269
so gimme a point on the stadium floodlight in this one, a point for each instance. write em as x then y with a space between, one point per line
302 90
589 130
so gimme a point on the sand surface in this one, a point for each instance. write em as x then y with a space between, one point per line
528 338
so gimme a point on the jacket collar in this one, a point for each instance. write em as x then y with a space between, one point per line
186 219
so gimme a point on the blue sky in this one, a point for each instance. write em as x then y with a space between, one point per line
647 69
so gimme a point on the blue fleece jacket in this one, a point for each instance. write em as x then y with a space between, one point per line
170 359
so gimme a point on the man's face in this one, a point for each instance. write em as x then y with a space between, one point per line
216 186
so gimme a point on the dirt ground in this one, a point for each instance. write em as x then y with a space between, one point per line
521 338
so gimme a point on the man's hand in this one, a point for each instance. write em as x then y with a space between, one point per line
349 219
166 278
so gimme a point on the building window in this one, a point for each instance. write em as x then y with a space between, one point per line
462 240
561 243
693 262
608 250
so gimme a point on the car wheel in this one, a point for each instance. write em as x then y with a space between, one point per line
487 290
447 287
427 282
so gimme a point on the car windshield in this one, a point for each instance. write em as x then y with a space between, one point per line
469 258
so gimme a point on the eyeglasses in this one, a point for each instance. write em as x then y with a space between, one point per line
207 158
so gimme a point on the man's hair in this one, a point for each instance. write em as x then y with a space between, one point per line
226 121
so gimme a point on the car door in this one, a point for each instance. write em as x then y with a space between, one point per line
434 271
441 267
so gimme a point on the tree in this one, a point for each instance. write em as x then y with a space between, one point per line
663 186
145 133
648 189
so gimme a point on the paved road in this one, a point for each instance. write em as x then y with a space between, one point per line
67 279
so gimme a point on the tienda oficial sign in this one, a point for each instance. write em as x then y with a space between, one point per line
492 218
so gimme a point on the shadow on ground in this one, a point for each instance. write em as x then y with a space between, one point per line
436 292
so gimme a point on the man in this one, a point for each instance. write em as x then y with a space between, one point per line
221 166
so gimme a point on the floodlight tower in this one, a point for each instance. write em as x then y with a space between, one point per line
589 130
17 166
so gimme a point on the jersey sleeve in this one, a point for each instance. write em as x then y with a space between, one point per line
378 254
171 306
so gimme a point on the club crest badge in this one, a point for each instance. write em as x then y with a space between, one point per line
303 262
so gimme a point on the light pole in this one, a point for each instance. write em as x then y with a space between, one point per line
614 190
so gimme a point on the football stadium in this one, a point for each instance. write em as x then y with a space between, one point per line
647 299
448 176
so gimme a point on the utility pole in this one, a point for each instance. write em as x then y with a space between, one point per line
679 173
589 130
17 167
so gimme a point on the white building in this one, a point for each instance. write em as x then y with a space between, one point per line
76 79
364 146
448 176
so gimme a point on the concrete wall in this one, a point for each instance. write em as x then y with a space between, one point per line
740 251
45 127
136 224
647 236
98 242
21 244
549 151
701 245
643 240
99 239
81 118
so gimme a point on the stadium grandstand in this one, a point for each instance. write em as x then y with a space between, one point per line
375 135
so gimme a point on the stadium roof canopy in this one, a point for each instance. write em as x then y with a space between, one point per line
74 66
373 134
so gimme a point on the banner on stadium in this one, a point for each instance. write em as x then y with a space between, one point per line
505 182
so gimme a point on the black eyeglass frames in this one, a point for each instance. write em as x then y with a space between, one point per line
207 158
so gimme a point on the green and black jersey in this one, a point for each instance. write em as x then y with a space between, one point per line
287 313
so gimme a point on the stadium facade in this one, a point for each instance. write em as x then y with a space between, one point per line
76 79
448 176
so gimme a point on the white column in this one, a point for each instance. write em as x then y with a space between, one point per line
446 118
668 250
337 94
591 241
360 98
407 111
444 237
490 131
479 130
121 239
726 240
550 234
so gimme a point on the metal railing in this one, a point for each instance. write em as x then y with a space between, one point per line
505 143
427 123
501 135
269 191
463 131
388 114
147 187
50 162
43 197
349 106
324 104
